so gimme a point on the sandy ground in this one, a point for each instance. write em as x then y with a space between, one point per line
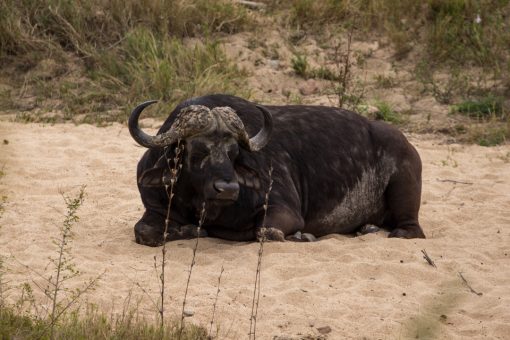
361 287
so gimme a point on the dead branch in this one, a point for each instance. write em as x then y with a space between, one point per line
454 181
427 258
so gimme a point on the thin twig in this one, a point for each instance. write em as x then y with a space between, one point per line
143 291
469 286
256 288
215 301
454 181
90 285
427 257
147 294
174 175
61 264
200 224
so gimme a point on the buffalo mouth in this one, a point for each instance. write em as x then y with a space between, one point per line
223 202
226 190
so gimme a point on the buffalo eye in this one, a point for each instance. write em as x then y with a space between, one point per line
233 152
198 154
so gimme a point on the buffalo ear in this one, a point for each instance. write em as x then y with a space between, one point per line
153 178
247 176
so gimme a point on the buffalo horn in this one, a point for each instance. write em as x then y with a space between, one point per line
260 140
144 139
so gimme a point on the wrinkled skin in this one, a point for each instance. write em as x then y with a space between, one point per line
333 171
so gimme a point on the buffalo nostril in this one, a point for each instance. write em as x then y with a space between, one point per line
226 190
222 186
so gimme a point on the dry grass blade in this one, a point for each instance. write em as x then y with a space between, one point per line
174 175
200 224
256 288
215 302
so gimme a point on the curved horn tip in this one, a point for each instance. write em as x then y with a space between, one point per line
260 140
148 102
134 129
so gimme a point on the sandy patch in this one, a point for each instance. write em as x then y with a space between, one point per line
367 286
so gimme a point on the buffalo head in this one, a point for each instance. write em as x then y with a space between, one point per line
211 139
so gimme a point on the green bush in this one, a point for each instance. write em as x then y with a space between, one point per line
485 107
386 113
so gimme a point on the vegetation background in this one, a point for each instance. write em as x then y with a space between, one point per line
92 61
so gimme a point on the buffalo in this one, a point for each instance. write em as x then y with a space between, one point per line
332 171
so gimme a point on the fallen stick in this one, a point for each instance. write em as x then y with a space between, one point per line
427 258
454 181
467 284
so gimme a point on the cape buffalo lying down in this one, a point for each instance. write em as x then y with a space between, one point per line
334 171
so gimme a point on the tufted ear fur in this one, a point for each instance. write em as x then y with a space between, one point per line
154 177
157 176
247 177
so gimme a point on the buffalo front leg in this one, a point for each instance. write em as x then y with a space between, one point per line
150 230
279 223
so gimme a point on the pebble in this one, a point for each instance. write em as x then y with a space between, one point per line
308 237
188 313
369 228
324 330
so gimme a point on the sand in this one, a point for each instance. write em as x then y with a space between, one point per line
360 287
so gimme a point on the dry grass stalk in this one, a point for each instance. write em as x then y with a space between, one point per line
256 288
215 302
200 224
64 270
174 175
343 64
3 283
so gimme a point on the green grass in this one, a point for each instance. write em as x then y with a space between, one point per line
451 31
387 114
303 69
92 324
146 66
490 135
485 107
83 26
492 121
92 61
300 65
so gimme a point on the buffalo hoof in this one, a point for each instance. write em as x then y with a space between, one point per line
368 229
148 235
270 234
186 232
301 237
407 232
